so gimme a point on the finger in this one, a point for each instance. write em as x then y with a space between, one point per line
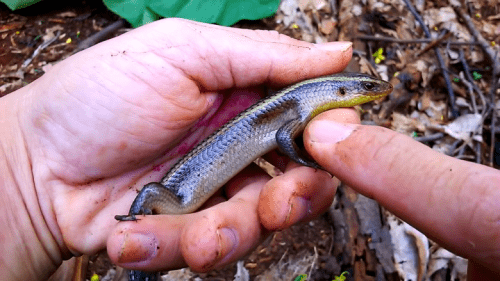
342 115
477 271
203 240
229 230
301 193
234 185
231 57
277 159
223 57
452 201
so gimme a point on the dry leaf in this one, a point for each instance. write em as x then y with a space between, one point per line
410 249
406 125
462 127
434 17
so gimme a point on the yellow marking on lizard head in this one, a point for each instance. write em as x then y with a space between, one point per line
353 89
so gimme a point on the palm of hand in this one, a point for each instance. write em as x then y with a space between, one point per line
118 127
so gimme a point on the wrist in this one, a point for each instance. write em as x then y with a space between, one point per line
29 249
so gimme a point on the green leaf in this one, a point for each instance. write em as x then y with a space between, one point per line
301 277
476 75
222 12
341 277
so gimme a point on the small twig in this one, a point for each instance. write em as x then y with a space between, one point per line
314 260
333 4
99 36
427 33
472 84
358 53
411 41
39 49
433 44
461 150
283 256
453 147
470 90
465 157
333 240
451 94
478 152
432 137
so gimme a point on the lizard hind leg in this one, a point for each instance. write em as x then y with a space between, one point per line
153 199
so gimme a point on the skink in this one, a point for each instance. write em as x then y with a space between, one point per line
272 122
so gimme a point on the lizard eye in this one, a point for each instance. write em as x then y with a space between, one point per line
369 85
342 91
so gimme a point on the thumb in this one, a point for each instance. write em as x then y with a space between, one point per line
217 57
452 201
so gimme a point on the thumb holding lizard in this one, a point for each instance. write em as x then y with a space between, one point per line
453 202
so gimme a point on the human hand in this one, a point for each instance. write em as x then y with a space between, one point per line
454 202
80 141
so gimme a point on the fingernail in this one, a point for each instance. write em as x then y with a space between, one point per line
324 131
227 243
299 205
138 247
343 46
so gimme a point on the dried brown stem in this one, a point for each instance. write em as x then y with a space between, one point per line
434 43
